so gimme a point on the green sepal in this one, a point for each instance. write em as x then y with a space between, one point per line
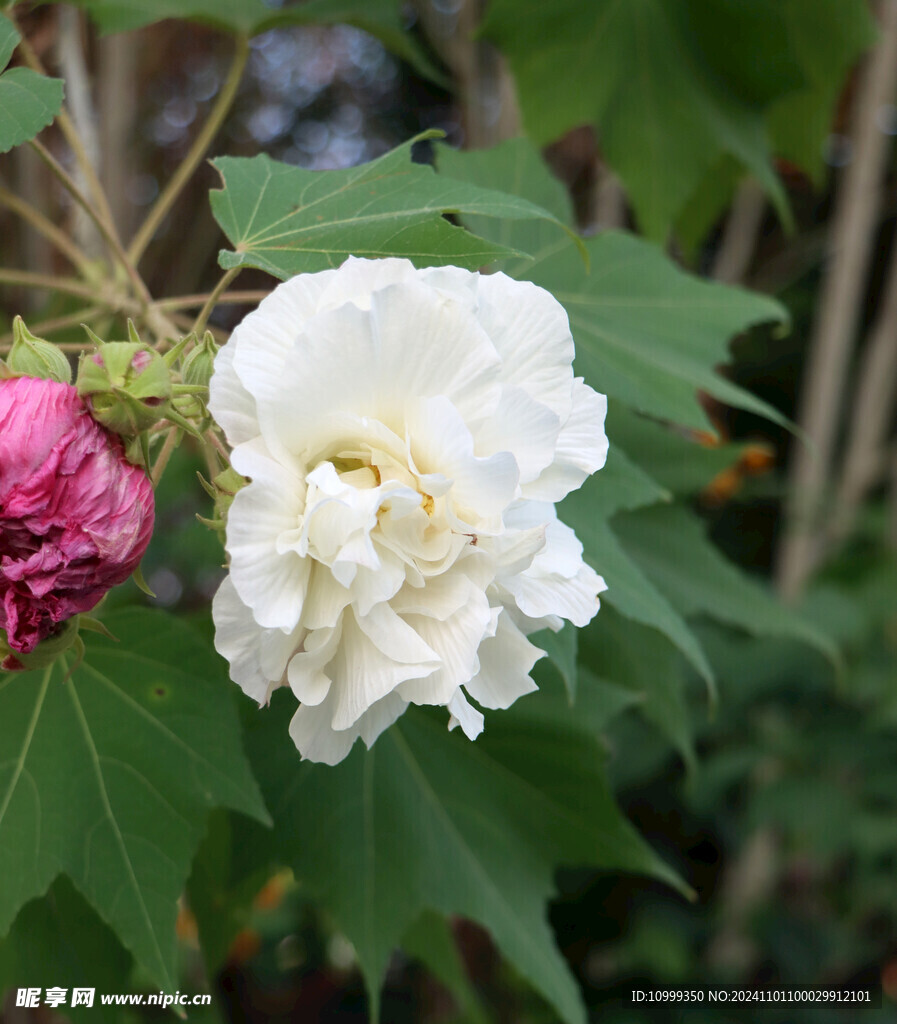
199 364
92 625
47 651
137 577
175 417
31 356
174 353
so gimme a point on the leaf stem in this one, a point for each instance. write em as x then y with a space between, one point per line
44 226
212 300
195 154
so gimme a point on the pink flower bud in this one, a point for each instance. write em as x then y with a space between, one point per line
75 515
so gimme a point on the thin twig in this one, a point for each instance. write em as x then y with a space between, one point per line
832 340
44 226
72 137
739 240
59 323
234 298
212 300
106 230
195 154
28 279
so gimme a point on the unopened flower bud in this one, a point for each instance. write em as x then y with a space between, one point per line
44 654
75 515
31 356
196 369
126 385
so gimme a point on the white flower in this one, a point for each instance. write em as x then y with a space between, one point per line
406 433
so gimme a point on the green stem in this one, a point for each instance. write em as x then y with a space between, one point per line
195 154
212 300
168 446
186 325
44 226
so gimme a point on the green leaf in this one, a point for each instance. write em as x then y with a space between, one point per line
663 117
107 777
59 940
286 220
428 820
647 664
675 461
233 862
561 650
649 334
646 333
28 101
827 38
628 588
621 484
672 549
431 941
380 18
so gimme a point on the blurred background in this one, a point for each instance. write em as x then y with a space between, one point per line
785 822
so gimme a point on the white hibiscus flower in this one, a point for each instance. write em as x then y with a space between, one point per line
406 434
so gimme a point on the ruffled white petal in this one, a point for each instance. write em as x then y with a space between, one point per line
506 661
312 731
257 657
531 332
229 402
470 720
581 447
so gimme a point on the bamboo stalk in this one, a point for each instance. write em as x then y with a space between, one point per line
832 340
739 241
865 458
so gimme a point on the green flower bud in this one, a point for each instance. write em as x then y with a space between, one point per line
227 483
46 652
196 370
126 385
222 491
31 356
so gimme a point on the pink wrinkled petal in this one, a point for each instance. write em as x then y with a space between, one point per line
75 515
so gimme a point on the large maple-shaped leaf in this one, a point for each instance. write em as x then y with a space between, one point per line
673 550
287 220
107 777
60 940
827 37
28 101
428 820
663 116
646 333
